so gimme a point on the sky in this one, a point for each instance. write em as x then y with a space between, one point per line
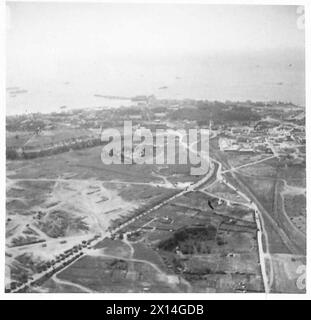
55 31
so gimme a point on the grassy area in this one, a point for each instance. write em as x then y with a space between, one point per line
223 191
84 164
236 159
142 252
191 240
112 275
295 205
114 247
53 136
17 139
262 188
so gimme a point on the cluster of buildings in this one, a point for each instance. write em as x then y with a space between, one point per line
272 137
243 139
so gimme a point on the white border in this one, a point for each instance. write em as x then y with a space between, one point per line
151 296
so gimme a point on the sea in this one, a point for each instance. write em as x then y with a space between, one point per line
258 77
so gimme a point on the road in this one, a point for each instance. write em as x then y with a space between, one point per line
249 164
72 284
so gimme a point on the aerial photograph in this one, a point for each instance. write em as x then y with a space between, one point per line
155 148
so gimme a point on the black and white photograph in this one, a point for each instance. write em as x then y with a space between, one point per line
155 148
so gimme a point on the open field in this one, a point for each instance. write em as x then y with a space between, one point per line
106 274
144 252
236 159
17 139
263 188
80 164
222 191
265 170
87 164
295 175
72 207
295 207
54 136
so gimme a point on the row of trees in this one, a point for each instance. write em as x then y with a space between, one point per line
22 153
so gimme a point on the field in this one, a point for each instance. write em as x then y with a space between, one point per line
262 187
221 190
80 164
103 274
54 136
295 207
17 139
236 159
186 247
